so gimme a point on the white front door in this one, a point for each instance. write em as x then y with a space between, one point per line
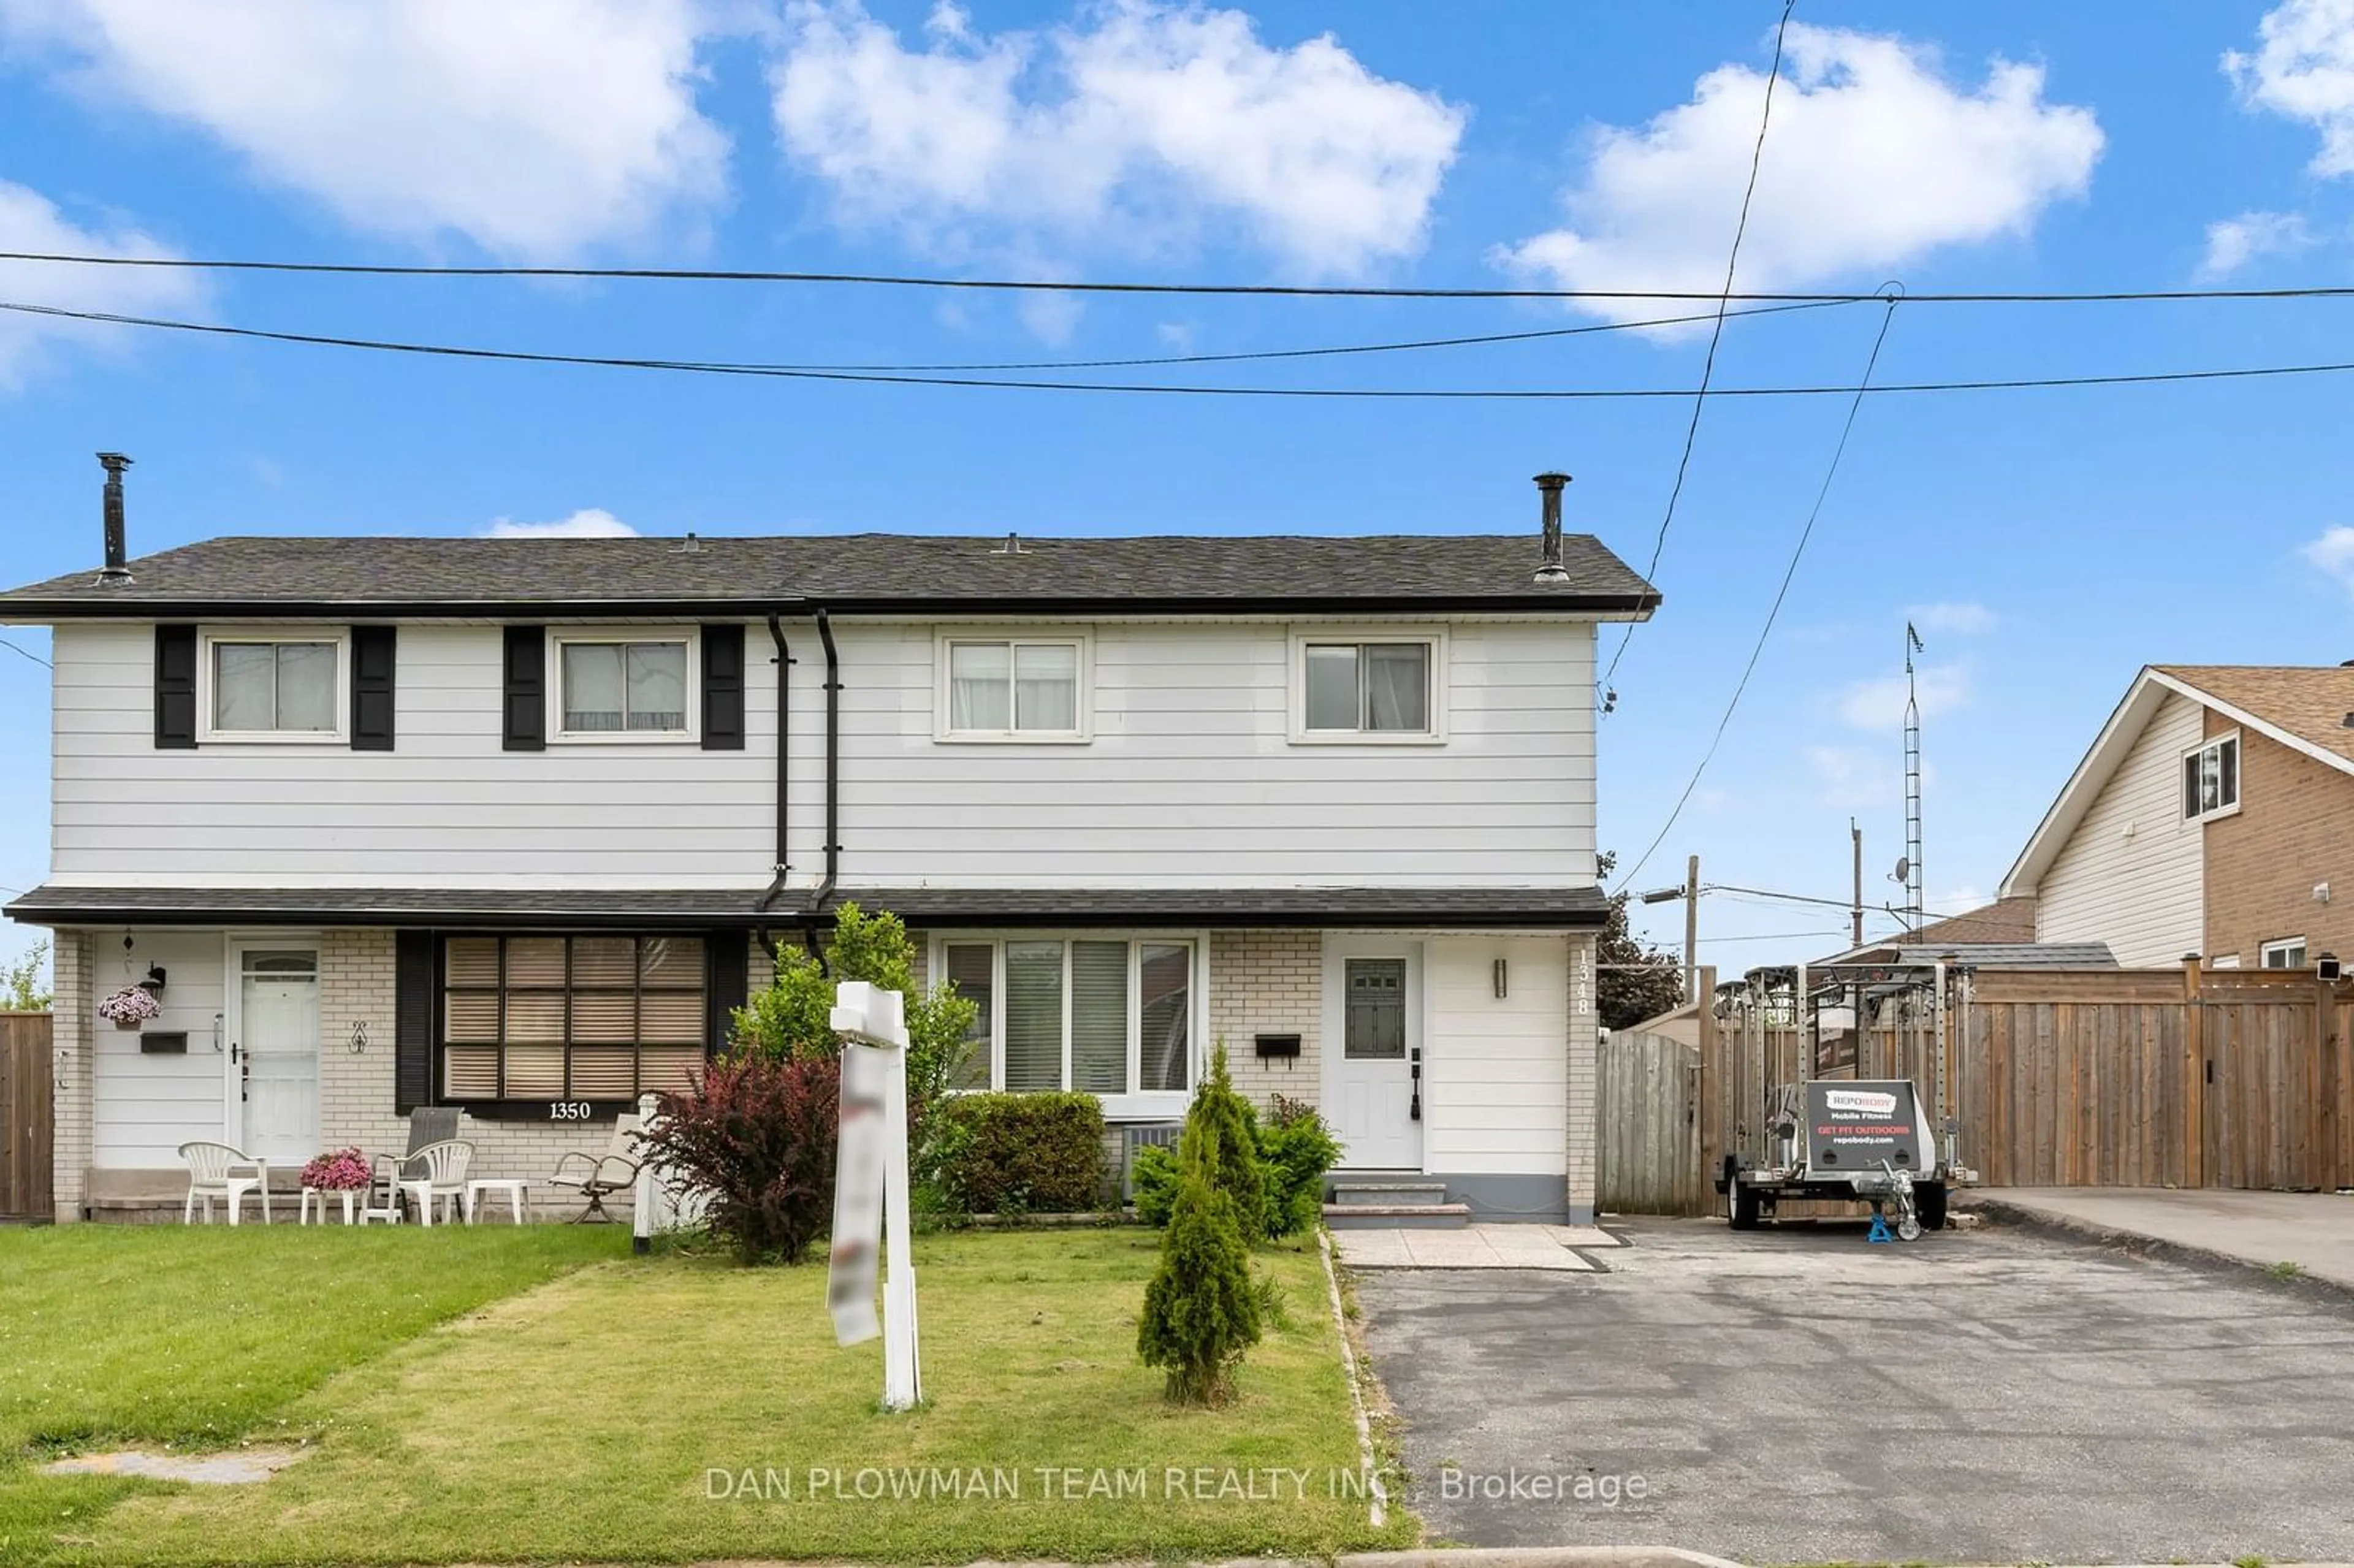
1374 1081
274 1055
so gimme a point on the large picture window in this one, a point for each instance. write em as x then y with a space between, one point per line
570 1018
1111 1016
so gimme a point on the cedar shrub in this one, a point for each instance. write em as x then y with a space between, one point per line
1201 1309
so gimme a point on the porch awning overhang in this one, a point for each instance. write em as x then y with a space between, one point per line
1467 908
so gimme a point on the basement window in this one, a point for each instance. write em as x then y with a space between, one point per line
2287 953
2211 778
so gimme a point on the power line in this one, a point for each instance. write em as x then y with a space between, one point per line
1075 286
782 372
1475 341
26 652
1797 552
1715 336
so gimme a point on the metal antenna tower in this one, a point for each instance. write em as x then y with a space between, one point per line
1912 870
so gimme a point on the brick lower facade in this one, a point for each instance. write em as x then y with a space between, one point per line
2295 829
73 1098
1269 982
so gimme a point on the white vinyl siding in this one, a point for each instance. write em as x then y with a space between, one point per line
1189 780
2131 873
146 1106
1496 1073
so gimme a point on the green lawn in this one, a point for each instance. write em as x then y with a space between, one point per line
611 1414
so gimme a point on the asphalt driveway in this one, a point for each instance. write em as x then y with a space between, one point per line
1797 1395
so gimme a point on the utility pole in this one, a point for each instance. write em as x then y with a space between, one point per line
1691 929
1855 914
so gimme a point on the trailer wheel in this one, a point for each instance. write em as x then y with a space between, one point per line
1929 1202
1744 1201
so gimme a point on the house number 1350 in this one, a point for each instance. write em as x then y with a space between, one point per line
569 1110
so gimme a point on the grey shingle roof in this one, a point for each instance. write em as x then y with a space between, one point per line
1988 955
1459 908
851 572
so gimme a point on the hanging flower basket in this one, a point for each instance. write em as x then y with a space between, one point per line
130 1007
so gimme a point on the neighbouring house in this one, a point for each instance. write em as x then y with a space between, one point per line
512 824
2213 817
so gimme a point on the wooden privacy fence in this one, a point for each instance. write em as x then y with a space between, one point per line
26 1112
2092 1077
2237 1079
1648 1090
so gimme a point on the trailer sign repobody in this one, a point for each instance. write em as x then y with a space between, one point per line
1855 1126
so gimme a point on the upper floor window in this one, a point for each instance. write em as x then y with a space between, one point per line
274 687
1350 689
2287 953
2211 778
613 688
1020 688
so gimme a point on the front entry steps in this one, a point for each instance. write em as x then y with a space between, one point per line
1391 1205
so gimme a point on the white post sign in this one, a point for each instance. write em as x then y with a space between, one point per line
870 1186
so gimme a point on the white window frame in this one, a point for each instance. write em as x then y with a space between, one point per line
1137 1104
1432 637
209 638
2282 946
1081 641
2239 778
561 637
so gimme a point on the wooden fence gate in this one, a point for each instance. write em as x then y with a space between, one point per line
1648 1092
27 1132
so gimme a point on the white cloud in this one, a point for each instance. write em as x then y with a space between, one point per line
1847 775
2333 553
31 222
532 127
1132 129
1963 619
2234 242
588 522
2303 69
1873 161
1879 704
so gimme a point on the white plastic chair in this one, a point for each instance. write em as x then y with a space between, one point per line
445 1165
218 1170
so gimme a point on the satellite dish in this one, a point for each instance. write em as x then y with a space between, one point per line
1904 872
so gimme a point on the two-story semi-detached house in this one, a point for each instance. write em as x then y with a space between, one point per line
509 825
2213 816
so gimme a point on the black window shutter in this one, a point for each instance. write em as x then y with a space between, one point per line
175 688
412 1021
374 658
723 688
526 704
728 952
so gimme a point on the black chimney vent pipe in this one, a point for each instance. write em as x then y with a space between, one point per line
117 550
1550 486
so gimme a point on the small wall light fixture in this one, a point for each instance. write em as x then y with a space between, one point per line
1503 967
2321 892
2327 967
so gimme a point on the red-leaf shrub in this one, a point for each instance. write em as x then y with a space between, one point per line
757 1139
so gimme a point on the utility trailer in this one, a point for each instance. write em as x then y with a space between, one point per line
1841 1115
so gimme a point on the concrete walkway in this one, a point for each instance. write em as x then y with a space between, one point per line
1475 1247
2313 1230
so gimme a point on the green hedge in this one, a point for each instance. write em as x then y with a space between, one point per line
1021 1154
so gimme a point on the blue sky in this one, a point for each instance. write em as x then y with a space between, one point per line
2050 542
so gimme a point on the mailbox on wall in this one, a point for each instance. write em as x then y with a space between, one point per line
1265 1046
